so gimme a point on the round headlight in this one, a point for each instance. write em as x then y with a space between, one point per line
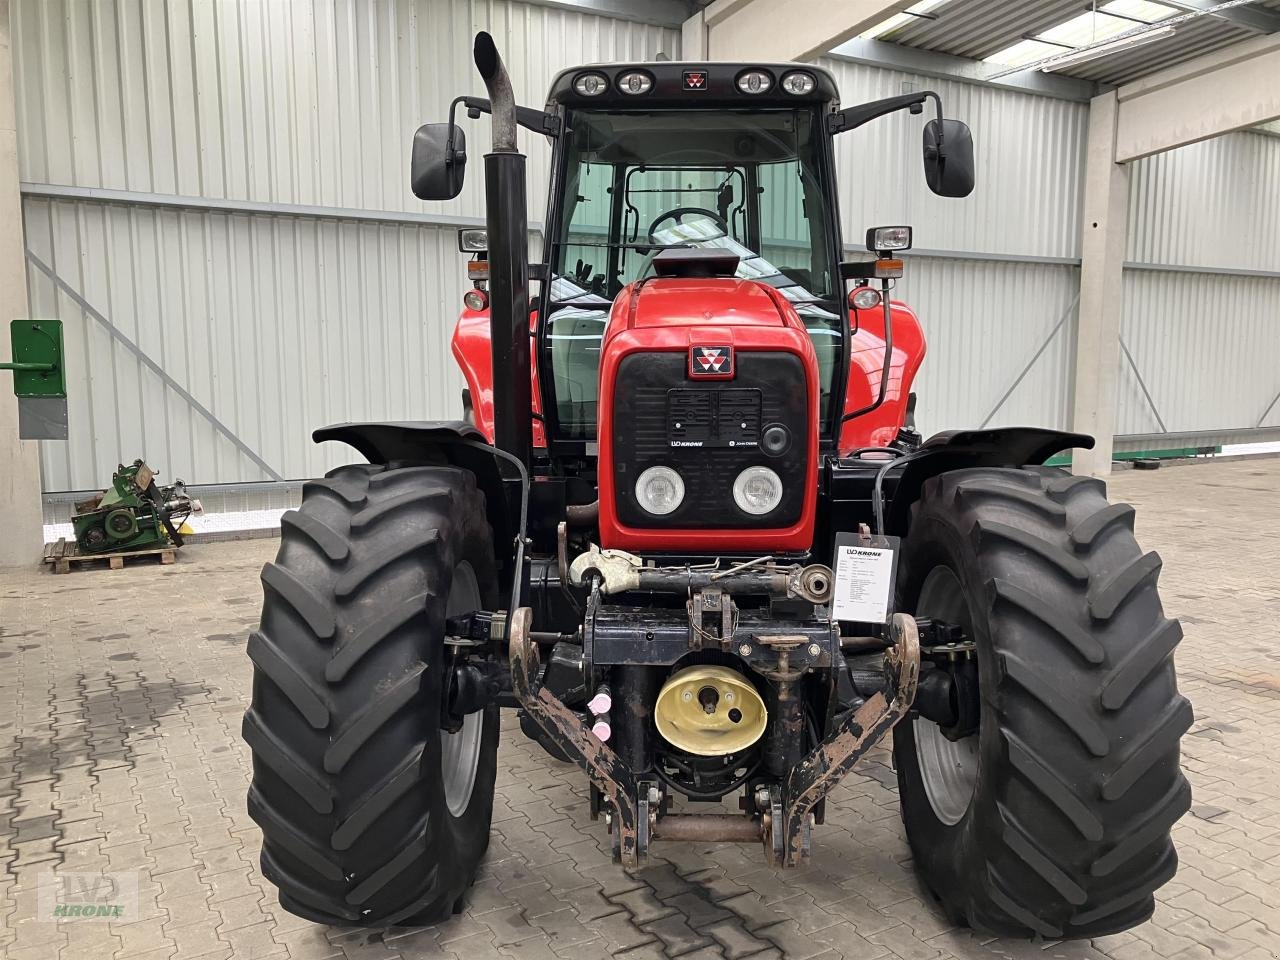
754 81
864 298
476 300
798 83
591 84
757 490
659 490
635 82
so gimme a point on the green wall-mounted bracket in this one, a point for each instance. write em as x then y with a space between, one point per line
39 379
37 359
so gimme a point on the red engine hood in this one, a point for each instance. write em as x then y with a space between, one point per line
670 315
681 302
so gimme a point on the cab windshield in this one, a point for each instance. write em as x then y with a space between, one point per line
636 183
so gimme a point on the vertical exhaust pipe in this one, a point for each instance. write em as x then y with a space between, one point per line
506 218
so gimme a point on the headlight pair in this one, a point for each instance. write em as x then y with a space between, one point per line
756 490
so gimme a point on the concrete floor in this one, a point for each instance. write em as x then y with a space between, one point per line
121 694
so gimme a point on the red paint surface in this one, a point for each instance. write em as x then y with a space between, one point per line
471 350
880 427
673 315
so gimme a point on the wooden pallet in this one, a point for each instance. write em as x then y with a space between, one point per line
62 555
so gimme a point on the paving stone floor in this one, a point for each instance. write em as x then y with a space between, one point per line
120 701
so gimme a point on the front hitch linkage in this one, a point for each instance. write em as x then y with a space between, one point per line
786 824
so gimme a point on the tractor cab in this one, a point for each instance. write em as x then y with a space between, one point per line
735 159
720 158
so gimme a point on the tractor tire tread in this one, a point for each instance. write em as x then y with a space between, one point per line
322 535
1076 823
306 604
266 656
343 724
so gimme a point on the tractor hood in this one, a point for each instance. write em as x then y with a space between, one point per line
681 302
694 371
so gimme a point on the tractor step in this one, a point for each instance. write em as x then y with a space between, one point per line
62 556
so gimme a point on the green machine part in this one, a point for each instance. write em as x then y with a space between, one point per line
133 514
39 379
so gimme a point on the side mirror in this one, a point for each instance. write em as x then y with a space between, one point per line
438 162
948 158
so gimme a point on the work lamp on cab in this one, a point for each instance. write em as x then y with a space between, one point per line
884 239
757 490
865 298
660 490
473 240
635 82
798 83
754 81
591 84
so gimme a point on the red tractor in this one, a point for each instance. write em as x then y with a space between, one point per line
688 531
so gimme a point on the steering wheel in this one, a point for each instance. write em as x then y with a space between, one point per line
678 215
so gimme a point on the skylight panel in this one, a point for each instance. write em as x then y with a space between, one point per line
1143 10
1087 28
901 19
1023 52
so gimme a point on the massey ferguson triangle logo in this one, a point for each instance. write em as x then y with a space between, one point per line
711 362
695 80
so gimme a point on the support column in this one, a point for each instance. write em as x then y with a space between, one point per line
693 38
1105 231
21 514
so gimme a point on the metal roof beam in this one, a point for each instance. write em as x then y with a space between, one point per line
1229 89
1257 19
780 30
662 13
927 63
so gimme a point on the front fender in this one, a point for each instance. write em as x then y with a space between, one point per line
451 442
958 449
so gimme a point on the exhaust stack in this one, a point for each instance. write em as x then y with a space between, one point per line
506 218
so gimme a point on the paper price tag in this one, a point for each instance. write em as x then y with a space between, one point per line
864 578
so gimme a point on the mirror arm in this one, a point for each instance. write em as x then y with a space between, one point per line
450 151
937 103
539 121
856 116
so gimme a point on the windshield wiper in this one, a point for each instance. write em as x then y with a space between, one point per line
594 298
632 246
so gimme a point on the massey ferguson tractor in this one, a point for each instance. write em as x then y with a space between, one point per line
687 530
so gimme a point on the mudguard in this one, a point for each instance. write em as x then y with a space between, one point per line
453 442
958 449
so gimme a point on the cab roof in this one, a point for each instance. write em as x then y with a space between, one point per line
693 85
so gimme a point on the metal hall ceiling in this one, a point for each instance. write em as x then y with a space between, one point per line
982 29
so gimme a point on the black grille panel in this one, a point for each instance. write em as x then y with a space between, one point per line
708 431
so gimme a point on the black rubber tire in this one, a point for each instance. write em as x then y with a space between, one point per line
345 718
1078 783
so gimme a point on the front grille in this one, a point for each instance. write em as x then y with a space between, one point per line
713 417
709 432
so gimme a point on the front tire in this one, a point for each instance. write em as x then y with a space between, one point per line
1054 818
370 813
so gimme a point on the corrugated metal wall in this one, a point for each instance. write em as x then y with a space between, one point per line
1030 161
1000 328
274 324
237 332
1203 339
